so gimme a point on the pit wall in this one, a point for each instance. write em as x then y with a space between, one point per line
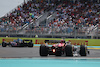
88 42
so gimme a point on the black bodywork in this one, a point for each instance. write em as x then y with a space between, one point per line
23 43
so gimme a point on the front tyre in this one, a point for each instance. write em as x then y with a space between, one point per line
83 50
69 50
4 44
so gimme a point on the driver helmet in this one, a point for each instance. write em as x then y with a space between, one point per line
62 41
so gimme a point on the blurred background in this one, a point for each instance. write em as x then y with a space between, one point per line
50 18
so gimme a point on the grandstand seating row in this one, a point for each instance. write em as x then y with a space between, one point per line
71 17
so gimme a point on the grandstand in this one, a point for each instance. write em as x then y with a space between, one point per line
53 18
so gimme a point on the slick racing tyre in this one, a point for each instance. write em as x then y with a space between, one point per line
43 50
30 44
69 50
4 44
83 50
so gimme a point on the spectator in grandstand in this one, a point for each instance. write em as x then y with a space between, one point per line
36 36
26 13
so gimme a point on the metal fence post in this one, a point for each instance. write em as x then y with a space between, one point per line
75 31
52 30
97 31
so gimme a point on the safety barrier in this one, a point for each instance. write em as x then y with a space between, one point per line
88 42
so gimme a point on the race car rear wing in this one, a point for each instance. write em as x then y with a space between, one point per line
53 41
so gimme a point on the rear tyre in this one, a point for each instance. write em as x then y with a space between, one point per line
43 50
4 44
83 50
69 50
30 44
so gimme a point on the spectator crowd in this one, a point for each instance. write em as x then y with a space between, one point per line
27 12
81 16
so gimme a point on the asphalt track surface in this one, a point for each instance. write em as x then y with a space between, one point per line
26 52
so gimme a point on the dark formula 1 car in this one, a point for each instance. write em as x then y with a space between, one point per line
18 43
62 48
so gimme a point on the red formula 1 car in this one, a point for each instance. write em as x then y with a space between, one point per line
62 48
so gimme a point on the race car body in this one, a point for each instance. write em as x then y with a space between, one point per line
18 43
62 48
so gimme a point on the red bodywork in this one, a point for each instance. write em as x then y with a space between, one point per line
59 45
56 47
